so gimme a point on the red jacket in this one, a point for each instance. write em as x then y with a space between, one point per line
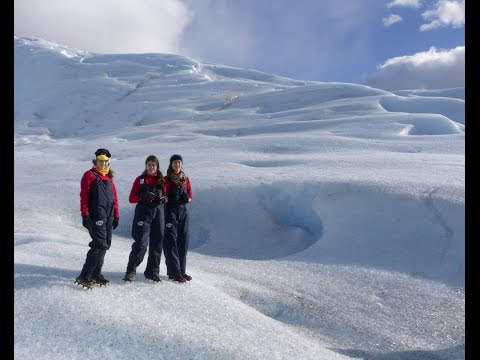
86 182
136 187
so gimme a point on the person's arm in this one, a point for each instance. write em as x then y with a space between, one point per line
116 210
189 190
85 184
135 192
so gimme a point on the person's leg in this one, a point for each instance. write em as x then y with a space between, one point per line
97 276
95 256
141 235
170 242
157 231
183 240
106 232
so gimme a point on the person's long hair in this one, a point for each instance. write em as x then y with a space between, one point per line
160 180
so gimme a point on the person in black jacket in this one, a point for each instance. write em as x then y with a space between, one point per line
179 192
148 228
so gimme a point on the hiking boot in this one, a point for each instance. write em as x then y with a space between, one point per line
129 275
100 280
187 277
177 278
153 277
84 282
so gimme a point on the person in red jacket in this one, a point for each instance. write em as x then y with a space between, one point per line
100 215
179 193
148 226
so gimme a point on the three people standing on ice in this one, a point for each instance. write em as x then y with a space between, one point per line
160 222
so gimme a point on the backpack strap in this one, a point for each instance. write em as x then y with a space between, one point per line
95 173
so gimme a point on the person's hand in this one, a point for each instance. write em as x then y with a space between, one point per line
86 222
148 196
115 223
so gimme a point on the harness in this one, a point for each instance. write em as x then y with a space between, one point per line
144 188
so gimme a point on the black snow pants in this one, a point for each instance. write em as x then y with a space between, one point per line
148 230
176 238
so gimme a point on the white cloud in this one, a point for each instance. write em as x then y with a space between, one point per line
432 69
391 19
428 57
405 3
113 26
445 13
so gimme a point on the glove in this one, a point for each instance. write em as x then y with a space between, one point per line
115 223
86 222
148 196
161 199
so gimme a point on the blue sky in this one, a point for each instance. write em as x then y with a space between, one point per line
394 44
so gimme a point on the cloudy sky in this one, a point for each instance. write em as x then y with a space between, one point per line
327 222
391 44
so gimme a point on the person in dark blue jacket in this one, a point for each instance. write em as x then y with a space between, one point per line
179 192
100 215
148 228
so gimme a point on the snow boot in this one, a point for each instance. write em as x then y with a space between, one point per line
100 280
177 278
84 282
187 277
129 275
154 277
